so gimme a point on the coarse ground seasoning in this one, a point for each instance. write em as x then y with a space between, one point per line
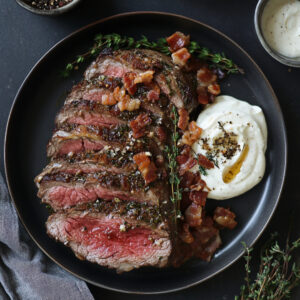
47 4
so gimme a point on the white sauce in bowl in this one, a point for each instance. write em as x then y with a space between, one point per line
281 26
234 137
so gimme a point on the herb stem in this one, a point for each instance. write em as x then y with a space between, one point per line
116 42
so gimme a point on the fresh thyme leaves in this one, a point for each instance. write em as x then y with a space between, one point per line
218 60
116 41
172 153
278 272
212 157
202 170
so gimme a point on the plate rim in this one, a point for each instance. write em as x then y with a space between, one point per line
103 20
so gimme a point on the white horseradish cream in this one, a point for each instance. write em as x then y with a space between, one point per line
234 137
281 26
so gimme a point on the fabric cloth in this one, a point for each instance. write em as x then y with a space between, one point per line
25 272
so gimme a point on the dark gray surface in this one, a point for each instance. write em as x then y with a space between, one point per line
25 37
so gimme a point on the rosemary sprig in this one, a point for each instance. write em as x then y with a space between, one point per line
116 41
278 272
172 152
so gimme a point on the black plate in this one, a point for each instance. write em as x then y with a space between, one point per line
32 119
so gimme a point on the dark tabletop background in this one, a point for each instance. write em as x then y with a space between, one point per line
25 37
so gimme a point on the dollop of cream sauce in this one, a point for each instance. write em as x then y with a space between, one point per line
234 137
281 26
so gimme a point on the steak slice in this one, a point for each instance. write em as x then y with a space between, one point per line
88 112
179 87
86 162
63 190
73 138
111 240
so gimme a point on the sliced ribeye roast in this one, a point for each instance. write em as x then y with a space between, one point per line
111 237
108 182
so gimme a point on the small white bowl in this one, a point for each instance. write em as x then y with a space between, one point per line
50 12
292 62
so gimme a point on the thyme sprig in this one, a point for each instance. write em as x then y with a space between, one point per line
116 41
172 153
278 272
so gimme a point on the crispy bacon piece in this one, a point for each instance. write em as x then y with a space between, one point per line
198 197
181 56
124 100
178 40
138 125
214 89
183 118
207 87
207 239
193 215
198 184
206 77
191 135
205 162
108 99
161 134
145 77
224 217
129 82
185 234
153 95
154 92
203 97
185 162
146 167
188 179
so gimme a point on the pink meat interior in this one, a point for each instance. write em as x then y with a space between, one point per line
63 197
104 237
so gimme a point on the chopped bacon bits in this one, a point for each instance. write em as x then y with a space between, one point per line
207 87
124 100
193 215
129 104
153 95
206 77
199 184
183 118
191 135
224 217
138 125
207 239
161 134
129 82
181 56
154 91
205 162
178 40
214 89
198 197
203 97
185 234
108 99
146 167
185 162
145 77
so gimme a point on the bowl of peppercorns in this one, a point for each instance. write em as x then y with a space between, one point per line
48 7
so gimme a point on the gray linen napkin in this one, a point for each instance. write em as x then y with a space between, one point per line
25 272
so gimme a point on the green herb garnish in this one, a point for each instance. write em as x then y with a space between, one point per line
278 272
172 153
202 170
116 41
